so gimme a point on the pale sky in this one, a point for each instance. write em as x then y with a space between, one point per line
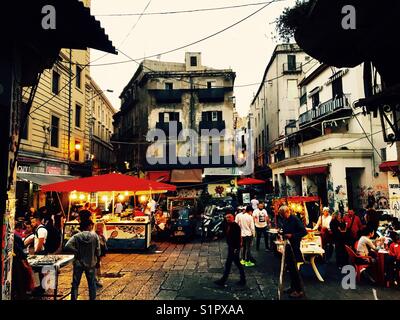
246 48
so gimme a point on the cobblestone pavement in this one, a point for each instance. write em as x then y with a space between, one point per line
186 271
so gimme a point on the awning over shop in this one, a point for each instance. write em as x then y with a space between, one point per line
192 175
109 182
160 176
249 181
41 178
307 171
389 166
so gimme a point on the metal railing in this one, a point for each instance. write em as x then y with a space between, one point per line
323 109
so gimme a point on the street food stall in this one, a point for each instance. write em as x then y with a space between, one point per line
124 228
49 266
306 208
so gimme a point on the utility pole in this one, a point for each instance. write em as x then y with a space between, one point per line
69 109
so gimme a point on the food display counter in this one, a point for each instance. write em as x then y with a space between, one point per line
120 234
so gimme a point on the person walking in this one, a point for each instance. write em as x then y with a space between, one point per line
293 230
234 241
247 227
261 222
86 247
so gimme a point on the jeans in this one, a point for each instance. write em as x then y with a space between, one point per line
233 256
246 248
76 280
259 233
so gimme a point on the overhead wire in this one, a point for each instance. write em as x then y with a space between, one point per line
183 11
167 51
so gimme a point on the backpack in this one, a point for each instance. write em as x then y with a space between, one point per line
53 240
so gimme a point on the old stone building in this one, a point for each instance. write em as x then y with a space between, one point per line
186 95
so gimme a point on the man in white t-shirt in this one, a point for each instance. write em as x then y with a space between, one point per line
261 222
246 223
40 235
254 203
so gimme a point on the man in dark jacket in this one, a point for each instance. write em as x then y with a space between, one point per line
293 230
86 247
233 239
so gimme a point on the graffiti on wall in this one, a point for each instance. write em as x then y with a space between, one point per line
331 195
6 252
341 198
376 197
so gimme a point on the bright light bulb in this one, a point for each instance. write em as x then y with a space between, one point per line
81 196
142 198
78 147
104 198
121 197
74 196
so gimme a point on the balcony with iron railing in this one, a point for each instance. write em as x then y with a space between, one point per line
211 94
291 68
324 109
167 96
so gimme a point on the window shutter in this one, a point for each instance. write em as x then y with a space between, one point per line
219 116
161 117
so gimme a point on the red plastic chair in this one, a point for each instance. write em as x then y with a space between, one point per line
359 267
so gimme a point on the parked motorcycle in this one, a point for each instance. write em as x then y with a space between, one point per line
213 221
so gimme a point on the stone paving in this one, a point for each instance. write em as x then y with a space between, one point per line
174 271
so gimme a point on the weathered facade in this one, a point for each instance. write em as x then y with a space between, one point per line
100 130
167 95
334 151
274 108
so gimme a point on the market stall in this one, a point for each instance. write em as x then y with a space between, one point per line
49 266
306 208
122 225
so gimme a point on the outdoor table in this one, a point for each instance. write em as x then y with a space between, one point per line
41 263
312 249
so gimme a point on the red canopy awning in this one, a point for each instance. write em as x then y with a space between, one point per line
159 176
389 166
249 181
307 171
107 183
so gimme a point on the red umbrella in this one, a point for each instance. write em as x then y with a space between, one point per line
107 183
248 181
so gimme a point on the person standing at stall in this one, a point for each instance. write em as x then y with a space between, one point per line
261 221
86 247
353 227
39 235
293 230
234 241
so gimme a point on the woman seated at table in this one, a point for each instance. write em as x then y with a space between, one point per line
367 247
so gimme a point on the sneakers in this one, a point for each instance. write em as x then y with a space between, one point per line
243 262
249 264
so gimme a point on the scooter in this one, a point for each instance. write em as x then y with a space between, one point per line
212 222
